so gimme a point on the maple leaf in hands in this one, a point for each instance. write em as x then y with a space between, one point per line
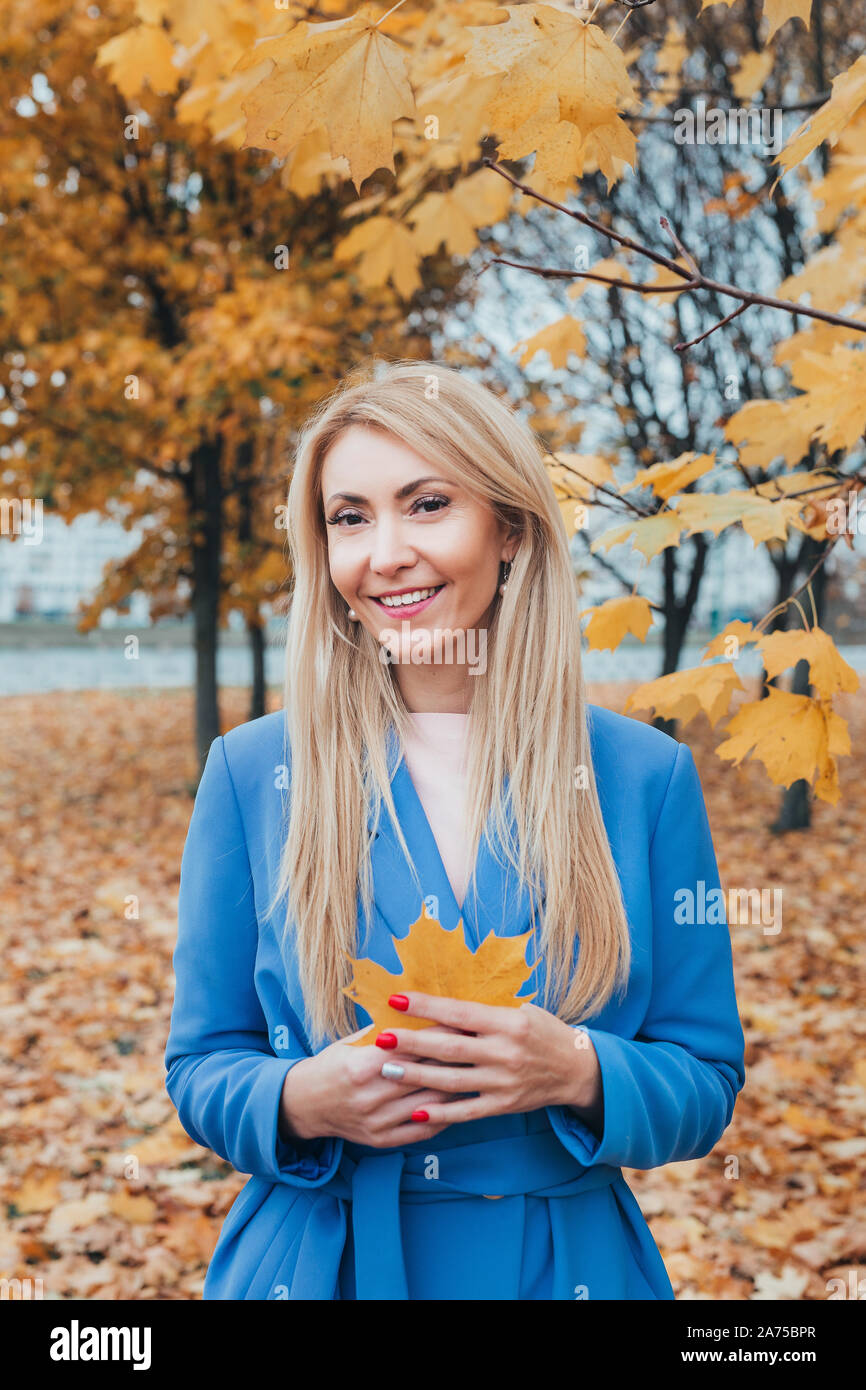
436 961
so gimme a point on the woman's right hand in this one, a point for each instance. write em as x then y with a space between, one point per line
341 1092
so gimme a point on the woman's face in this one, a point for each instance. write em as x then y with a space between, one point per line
398 525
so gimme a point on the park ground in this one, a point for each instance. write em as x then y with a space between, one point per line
105 1197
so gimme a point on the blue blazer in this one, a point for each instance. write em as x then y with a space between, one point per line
326 1218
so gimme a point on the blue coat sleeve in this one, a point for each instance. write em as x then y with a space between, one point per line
223 1076
669 1093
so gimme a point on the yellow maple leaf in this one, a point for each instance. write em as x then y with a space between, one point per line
665 479
782 483
767 430
753 73
540 50
833 277
612 620
826 513
778 12
453 217
738 631
828 672
760 517
386 250
835 394
436 961
847 95
672 54
574 478
345 75
141 55
792 736
557 340
576 475
683 694
566 152
652 534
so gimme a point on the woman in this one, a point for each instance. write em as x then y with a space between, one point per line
433 663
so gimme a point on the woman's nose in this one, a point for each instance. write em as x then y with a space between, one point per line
389 549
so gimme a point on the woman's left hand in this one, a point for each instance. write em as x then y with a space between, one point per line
498 1061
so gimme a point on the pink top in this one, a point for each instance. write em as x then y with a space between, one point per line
435 756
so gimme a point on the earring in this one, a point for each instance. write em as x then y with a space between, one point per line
507 570
353 615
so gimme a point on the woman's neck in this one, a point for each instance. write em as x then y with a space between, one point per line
434 689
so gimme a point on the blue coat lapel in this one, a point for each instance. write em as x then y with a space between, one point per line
500 902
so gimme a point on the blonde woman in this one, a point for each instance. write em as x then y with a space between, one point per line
437 755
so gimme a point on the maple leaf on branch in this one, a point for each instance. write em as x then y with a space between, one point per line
793 736
683 694
829 673
848 95
610 621
437 961
346 76
737 633
666 479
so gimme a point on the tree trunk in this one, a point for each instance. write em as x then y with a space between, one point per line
256 635
786 568
795 808
678 615
205 490
246 502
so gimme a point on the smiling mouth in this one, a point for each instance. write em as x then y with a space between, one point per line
412 602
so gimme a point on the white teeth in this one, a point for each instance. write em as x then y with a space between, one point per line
402 600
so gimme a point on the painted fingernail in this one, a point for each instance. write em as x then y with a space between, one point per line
420 1115
386 1040
392 1071
399 1001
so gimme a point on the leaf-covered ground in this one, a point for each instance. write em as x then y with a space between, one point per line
105 1197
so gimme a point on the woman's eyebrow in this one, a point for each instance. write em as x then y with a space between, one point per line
399 494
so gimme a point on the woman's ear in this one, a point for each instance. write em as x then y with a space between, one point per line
512 544
512 531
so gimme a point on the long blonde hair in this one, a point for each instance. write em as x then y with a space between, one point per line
527 714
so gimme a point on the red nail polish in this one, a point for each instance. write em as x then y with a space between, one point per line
399 1001
386 1040
420 1115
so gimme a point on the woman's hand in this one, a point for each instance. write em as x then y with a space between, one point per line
508 1059
341 1091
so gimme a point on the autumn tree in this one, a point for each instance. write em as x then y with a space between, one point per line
171 311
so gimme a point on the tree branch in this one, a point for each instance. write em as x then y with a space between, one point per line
692 279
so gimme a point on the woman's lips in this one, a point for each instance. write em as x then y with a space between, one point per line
408 610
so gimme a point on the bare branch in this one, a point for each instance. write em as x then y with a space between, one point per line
693 279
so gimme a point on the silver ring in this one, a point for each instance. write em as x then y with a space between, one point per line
392 1071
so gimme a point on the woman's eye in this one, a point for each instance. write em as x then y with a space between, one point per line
431 505
436 502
